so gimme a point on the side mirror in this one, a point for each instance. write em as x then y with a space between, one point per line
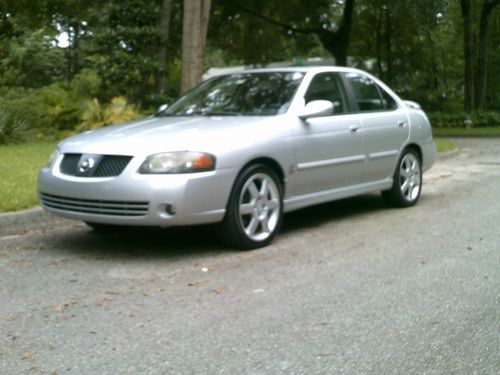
162 108
317 108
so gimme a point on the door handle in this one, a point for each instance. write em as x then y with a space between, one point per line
354 127
401 124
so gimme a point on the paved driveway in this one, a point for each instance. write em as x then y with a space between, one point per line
348 287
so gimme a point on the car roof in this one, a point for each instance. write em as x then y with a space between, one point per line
303 69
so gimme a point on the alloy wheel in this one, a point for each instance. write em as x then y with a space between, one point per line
259 207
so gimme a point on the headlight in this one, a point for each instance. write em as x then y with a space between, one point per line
178 162
53 157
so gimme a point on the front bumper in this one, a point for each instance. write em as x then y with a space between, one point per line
137 199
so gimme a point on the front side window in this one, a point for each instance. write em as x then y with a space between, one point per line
369 96
248 94
327 86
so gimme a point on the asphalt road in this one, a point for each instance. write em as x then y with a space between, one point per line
350 287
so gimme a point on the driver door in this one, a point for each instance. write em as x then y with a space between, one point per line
329 150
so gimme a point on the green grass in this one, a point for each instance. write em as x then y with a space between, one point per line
19 166
443 145
462 132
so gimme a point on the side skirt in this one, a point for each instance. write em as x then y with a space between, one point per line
300 201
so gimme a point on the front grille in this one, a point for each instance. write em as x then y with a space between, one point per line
111 165
94 206
105 165
69 164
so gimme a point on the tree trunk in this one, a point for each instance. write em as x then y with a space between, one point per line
468 55
378 40
194 33
337 42
388 46
164 24
481 74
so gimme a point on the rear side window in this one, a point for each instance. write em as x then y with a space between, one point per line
327 86
369 96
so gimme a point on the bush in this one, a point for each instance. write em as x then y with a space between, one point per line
118 111
51 110
12 129
479 119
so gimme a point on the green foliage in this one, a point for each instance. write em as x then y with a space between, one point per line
117 111
479 119
52 109
114 46
12 129
29 60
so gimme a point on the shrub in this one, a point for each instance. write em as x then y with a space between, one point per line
118 111
12 129
50 110
465 120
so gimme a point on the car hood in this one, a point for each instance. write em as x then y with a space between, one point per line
160 134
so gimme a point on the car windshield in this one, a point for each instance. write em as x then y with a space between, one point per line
247 94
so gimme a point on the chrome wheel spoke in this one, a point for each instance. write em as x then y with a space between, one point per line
247 208
252 226
252 189
405 186
264 188
265 224
273 204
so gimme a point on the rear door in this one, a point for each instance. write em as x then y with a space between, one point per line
385 126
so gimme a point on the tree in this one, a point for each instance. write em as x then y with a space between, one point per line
194 34
164 30
468 55
480 82
475 66
335 39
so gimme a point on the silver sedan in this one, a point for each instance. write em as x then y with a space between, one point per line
241 149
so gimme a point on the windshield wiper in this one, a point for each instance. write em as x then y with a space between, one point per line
218 113
198 113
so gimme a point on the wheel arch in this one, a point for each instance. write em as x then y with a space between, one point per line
415 147
272 164
268 162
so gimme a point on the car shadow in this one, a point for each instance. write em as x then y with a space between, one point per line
315 216
145 242
139 242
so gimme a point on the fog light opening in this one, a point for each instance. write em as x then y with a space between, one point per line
170 209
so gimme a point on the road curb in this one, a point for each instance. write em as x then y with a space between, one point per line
12 223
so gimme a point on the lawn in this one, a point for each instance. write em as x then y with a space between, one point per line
463 132
443 145
19 166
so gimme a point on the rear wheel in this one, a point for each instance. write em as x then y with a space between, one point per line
254 212
407 181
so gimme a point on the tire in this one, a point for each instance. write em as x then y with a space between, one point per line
407 181
255 209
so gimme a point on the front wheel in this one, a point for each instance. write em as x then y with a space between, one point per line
407 181
254 211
